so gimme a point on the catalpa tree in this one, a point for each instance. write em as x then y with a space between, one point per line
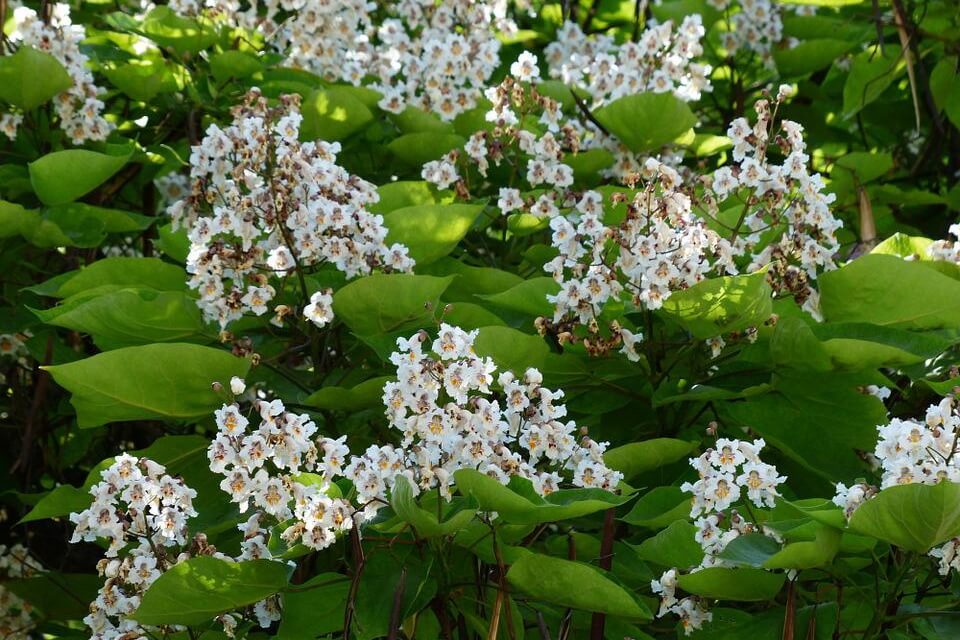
480 320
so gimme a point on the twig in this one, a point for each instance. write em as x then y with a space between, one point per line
585 110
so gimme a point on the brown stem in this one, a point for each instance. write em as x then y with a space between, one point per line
32 429
790 615
360 561
397 608
599 620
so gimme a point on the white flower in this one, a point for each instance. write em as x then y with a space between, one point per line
320 309
760 480
525 67
509 200
237 385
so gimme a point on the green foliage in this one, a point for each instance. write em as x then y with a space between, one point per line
741 584
575 585
647 120
430 231
913 517
200 588
382 304
64 176
105 322
30 78
138 382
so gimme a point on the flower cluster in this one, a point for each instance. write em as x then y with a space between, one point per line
16 614
692 611
78 108
262 203
946 250
659 247
136 500
914 452
783 199
438 56
661 60
727 472
135 503
450 419
331 39
757 27
283 472
537 158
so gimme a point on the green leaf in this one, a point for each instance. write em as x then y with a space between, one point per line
751 550
575 585
116 272
234 64
144 80
112 220
14 218
365 395
865 166
471 283
63 176
809 56
675 546
858 346
528 297
807 554
332 114
430 231
517 503
408 193
174 244
639 457
645 121
512 349
885 290
183 35
526 224
915 517
417 149
61 501
819 510
152 381
588 164
30 78
197 590
742 584
469 316
385 303
904 246
820 421
129 317
314 608
722 305
425 522
659 507
415 120
706 144
871 72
